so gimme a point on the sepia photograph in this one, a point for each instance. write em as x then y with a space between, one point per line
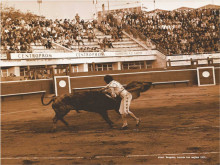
110 82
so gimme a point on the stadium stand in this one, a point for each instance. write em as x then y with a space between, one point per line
177 32
31 34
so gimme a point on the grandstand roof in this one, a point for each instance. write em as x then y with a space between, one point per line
210 6
183 8
156 11
123 6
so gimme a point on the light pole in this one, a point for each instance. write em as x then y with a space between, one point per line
39 3
96 13
141 5
108 6
154 4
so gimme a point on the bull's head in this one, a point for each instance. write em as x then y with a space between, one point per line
144 86
136 87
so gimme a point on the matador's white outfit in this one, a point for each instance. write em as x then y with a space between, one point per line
116 89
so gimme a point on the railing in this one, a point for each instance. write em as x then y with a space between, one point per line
196 53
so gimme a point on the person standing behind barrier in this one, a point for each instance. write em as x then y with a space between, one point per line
116 89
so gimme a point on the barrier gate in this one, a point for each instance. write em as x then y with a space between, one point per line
62 85
206 76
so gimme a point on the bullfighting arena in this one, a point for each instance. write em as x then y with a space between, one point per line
180 125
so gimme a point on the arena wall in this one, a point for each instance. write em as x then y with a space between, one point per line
95 79
22 87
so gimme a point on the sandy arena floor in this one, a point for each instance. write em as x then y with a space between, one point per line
179 126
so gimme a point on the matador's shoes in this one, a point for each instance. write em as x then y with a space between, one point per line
124 128
138 122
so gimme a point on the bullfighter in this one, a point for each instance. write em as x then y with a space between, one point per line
116 89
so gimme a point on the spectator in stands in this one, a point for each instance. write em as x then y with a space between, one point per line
107 42
104 42
119 32
94 49
79 39
77 18
91 36
100 43
90 26
48 44
24 48
114 34
12 75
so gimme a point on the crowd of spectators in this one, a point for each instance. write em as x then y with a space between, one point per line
108 28
104 43
20 31
177 32
89 49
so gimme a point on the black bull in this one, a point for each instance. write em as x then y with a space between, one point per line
92 101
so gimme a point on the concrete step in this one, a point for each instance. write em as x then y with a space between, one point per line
123 42
125 49
126 45
96 40
87 43
83 46
49 51
113 42
114 45
75 47
116 49
40 47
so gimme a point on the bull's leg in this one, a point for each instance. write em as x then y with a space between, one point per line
54 123
117 111
77 111
59 116
55 120
67 124
106 118
119 115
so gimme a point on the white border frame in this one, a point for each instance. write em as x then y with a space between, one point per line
213 72
55 80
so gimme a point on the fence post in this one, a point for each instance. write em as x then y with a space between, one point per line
169 63
93 66
70 68
210 61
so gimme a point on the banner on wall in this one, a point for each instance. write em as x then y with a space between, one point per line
21 56
197 56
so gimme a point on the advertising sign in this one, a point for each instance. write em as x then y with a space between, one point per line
29 56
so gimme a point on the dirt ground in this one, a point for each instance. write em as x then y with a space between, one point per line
179 126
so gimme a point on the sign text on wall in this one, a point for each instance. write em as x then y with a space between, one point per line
77 55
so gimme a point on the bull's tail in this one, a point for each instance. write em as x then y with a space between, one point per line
42 100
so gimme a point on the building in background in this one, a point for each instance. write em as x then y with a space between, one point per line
111 7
